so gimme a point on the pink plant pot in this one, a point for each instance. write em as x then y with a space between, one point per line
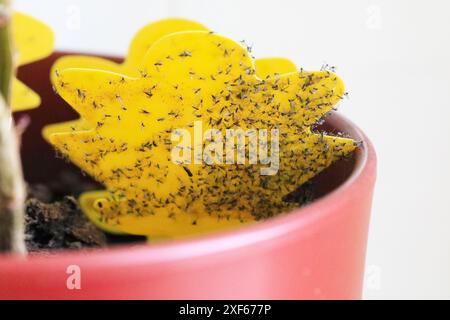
315 252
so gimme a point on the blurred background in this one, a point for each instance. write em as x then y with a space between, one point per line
394 56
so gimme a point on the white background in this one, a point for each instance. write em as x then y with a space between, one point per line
395 58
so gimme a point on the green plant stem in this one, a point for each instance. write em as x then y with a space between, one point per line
12 186
6 51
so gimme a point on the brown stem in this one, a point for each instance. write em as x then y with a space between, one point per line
12 186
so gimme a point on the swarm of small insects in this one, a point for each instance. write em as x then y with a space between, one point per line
190 77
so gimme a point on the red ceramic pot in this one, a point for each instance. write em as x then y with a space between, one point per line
315 252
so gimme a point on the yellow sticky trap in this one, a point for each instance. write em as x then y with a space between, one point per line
267 67
193 78
88 201
271 67
140 44
144 40
34 41
23 98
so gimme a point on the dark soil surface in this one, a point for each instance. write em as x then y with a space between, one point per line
59 224
54 220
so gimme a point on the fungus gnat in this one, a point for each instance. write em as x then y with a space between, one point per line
185 54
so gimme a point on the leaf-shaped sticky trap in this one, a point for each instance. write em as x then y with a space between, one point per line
33 41
132 66
190 78
140 44
266 67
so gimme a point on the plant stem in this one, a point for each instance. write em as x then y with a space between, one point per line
6 51
12 186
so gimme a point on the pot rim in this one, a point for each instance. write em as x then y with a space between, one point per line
299 220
